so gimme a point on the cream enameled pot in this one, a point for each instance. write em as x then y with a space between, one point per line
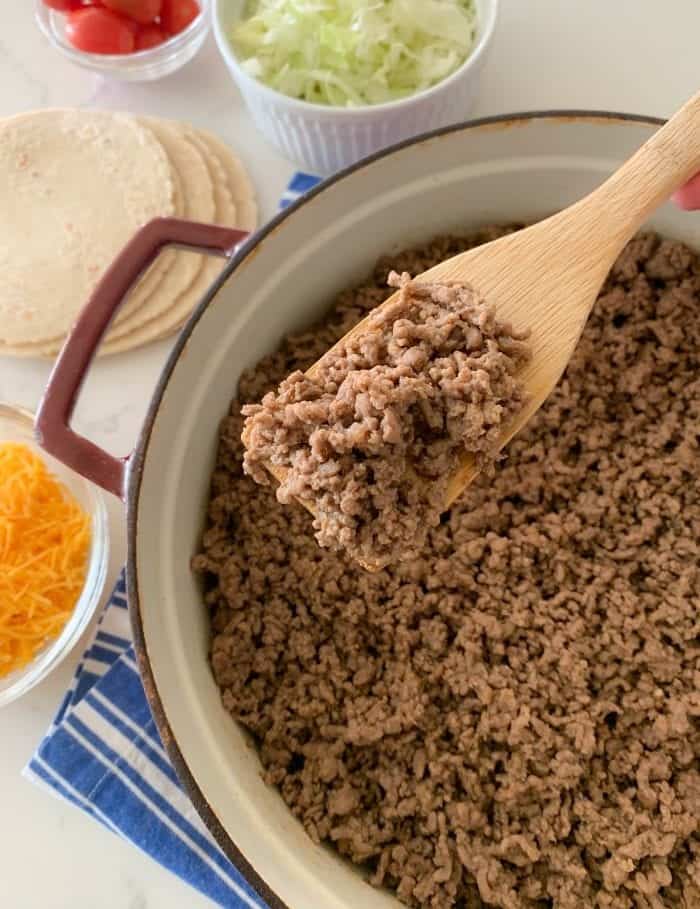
503 169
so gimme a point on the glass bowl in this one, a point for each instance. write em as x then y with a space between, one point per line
17 425
141 66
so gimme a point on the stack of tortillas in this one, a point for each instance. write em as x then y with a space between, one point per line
75 186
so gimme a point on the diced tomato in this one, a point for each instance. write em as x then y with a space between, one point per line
176 15
130 24
142 11
63 6
100 31
149 36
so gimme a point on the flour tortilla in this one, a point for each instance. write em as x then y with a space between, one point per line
199 205
165 261
69 201
226 214
228 179
239 183
152 278
157 271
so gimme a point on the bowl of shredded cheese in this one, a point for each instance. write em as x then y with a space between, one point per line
54 546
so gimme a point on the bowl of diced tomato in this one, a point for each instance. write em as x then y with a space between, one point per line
130 40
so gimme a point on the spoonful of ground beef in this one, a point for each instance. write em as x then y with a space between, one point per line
386 429
373 433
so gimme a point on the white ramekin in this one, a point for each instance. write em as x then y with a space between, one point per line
324 139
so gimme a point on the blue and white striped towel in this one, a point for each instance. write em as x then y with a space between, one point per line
103 752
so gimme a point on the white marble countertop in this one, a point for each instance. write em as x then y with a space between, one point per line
624 56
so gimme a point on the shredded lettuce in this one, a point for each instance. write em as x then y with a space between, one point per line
348 53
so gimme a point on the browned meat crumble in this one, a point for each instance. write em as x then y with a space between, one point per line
511 719
373 436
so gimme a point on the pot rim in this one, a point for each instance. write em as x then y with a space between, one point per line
176 756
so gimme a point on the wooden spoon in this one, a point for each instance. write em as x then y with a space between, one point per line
547 277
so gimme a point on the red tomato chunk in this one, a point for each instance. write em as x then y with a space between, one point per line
63 6
142 11
149 36
100 31
176 15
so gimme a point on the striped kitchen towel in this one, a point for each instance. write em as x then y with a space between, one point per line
103 752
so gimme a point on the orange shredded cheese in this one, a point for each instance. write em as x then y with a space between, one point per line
44 544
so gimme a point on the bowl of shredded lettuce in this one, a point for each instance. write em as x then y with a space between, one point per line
330 81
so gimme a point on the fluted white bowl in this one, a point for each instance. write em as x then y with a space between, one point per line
323 139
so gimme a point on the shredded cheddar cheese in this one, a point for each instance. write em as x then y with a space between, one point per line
44 543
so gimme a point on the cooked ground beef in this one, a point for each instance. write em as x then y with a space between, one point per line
373 435
512 719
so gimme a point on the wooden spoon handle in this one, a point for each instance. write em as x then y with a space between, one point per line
648 178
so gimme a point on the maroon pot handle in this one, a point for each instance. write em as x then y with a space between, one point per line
52 423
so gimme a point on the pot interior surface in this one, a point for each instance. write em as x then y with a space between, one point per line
512 169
